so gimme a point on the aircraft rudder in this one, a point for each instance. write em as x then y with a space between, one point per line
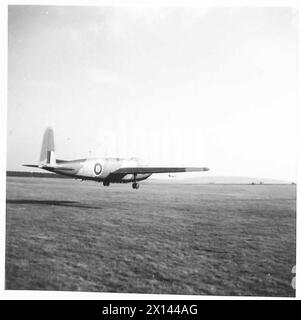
47 155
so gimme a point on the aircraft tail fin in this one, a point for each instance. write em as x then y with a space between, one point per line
47 152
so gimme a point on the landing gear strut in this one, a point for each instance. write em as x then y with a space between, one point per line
135 185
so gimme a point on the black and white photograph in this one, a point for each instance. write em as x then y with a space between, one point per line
151 149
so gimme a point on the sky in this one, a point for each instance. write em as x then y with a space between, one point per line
186 86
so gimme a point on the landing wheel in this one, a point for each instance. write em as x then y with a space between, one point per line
106 184
135 185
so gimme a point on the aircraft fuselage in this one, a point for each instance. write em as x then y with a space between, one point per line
98 169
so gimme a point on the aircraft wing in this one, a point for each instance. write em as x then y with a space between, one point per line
150 170
115 176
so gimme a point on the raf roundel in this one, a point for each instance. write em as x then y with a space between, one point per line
97 169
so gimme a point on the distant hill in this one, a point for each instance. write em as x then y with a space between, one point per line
176 179
220 180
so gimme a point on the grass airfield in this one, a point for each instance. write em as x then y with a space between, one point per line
194 239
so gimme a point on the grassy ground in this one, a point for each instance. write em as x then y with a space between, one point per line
175 239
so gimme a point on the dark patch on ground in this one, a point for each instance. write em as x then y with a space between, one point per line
75 204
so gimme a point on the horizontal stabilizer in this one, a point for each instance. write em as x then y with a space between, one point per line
48 167
30 165
57 168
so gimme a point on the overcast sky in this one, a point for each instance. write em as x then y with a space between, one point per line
173 85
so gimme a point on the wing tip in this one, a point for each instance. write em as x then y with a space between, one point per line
195 169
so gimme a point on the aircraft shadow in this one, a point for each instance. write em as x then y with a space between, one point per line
61 203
